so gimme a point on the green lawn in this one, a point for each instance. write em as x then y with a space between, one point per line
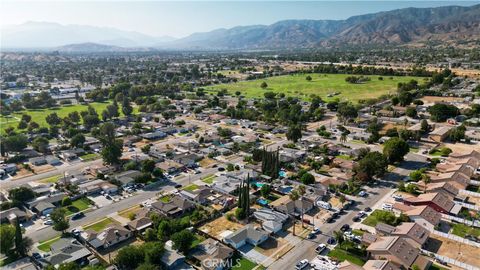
342 255
165 198
209 179
321 85
358 232
90 157
436 267
38 115
77 206
51 179
374 218
191 187
346 157
462 230
100 225
197 241
45 245
243 264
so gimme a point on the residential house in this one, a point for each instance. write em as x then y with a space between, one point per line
11 215
187 159
175 207
213 252
153 136
272 221
109 237
424 215
398 250
439 201
69 155
381 265
246 235
440 134
199 195
285 205
170 166
458 179
140 224
171 259
38 161
413 232
68 250
45 205
128 177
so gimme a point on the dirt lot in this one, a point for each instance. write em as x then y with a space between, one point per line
454 250
207 162
462 147
216 227
21 173
43 168
271 246
433 99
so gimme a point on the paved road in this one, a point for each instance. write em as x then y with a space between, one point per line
78 166
139 197
306 248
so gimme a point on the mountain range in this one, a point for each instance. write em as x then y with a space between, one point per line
448 25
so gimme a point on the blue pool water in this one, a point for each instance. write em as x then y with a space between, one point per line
282 174
285 189
262 202
259 185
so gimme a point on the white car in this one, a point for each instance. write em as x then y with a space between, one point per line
387 206
398 197
301 264
320 248
316 230
362 193
48 222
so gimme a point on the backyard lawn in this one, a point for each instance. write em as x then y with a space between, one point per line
463 230
197 241
321 85
100 225
243 264
77 206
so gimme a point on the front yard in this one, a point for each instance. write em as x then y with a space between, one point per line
77 206
45 245
382 216
100 225
349 253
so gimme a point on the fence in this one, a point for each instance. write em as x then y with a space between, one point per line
469 193
469 206
474 182
456 238
450 260
474 223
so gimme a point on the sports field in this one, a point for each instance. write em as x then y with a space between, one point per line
321 85
40 114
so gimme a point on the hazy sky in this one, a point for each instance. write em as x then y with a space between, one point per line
180 18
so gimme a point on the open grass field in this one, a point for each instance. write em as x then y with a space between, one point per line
321 85
39 115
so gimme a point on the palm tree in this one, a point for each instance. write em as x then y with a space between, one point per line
338 237
294 196
301 192
343 137
426 180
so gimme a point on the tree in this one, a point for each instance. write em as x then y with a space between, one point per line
66 201
183 240
112 148
22 244
53 119
21 194
148 166
78 140
395 149
15 143
424 127
126 107
373 164
308 78
441 112
153 252
60 220
263 85
265 190
307 179
74 117
40 144
339 237
130 257
411 112
64 266
346 111
294 133
147 266
7 234
415 175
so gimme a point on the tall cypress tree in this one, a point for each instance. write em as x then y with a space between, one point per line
19 248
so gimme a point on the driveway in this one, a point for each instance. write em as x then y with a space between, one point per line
249 251
100 200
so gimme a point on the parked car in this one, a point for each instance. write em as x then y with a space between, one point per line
178 186
345 227
48 222
316 230
387 206
311 235
301 264
355 219
367 209
320 248
331 241
78 215
362 194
